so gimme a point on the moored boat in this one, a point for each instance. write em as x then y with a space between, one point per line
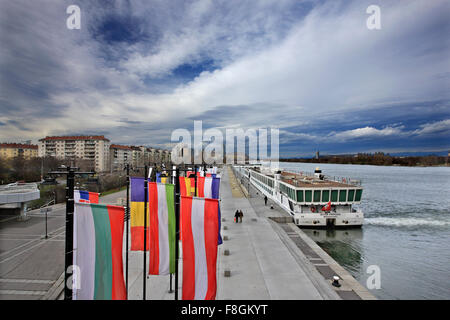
313 199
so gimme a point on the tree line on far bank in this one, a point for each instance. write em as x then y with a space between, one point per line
30 170
378 158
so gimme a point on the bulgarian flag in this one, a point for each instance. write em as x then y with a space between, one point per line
162 228
137 214
97 252
199 232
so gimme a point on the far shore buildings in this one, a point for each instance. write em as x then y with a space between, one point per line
98 149
12 150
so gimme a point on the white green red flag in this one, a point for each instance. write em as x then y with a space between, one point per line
97 255
162 228
199 232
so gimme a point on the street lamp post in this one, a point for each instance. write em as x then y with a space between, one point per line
46 210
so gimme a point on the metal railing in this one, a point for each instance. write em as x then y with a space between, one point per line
18 186
53 201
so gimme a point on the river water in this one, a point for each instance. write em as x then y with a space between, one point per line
406 230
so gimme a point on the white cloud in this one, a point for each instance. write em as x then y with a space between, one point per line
325 62
433 128
367 132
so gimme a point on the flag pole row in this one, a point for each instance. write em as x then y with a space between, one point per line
177 226
70 175
68 251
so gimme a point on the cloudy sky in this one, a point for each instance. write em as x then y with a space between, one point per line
139 69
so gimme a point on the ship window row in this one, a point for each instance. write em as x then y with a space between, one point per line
265 180
324 196
264 187
289 192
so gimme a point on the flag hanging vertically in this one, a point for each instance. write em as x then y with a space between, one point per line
85 196
187 186
207 187
162 228
97 255
137 214
215 186
199 234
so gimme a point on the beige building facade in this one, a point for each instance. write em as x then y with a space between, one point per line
13 150
93 148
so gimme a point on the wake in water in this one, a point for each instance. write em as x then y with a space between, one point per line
406 222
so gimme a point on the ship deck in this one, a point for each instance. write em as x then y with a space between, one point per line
303 181
307 181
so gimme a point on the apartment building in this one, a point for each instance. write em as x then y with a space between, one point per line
13 150
119 156
136 156
93 148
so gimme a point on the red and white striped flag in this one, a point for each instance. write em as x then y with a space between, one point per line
199 232
162 228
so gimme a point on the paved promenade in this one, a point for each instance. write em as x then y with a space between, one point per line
30 265
261 266
258 260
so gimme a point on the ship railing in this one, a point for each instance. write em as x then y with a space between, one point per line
18 185
346 180
300 173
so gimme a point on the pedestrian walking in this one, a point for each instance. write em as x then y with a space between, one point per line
236 216
265 200
241 214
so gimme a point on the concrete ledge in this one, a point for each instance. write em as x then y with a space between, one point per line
282 219
347 281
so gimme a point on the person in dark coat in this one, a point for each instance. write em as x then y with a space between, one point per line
241 214
265 200
236 216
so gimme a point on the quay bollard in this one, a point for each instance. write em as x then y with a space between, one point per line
336 281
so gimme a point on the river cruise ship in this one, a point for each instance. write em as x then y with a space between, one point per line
313 199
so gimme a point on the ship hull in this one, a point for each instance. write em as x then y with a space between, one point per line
349 220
